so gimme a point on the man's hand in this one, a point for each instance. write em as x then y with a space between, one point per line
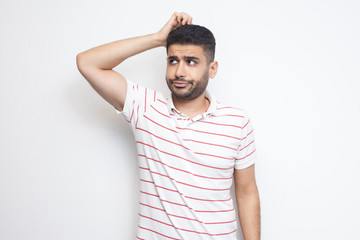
97 64
176 20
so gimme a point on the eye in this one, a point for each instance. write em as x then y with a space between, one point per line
172 61
191 62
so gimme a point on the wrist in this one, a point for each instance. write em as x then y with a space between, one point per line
159 39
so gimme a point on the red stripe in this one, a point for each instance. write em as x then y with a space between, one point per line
158 233
159 112
222 222
221 124
152 159
212 144
174 203
247 134
218 134
163 200
228 115
137 119
208 200
191 219
207 108
160 209
157 220
178 144
215 211
143 180
246 155
247 145
162 101
160 124
212 189
182 157
224 233
140 238
246 123
187 230
210 155
132 114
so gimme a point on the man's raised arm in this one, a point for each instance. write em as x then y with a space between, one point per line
96 64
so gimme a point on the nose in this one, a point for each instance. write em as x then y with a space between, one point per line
180 70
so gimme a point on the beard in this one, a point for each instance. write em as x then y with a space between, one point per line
192 91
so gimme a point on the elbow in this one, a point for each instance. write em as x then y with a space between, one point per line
80 61
83 64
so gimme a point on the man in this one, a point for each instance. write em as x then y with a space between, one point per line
190 146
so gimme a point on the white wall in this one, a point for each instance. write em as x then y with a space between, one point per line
68 161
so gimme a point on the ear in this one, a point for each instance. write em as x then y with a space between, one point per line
213 67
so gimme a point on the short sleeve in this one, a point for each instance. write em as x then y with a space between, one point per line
137 100
134 99
246 152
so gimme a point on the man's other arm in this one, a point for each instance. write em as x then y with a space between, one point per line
247 198
97 64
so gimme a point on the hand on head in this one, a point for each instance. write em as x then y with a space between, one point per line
176 20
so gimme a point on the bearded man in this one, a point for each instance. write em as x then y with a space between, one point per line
191 147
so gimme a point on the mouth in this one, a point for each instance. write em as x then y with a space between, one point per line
178 83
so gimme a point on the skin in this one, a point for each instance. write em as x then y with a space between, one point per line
187 76
248 202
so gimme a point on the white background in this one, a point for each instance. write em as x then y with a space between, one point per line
68 162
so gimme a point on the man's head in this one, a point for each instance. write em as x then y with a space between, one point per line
191 51
194 35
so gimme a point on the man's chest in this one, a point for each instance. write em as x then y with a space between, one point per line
206 137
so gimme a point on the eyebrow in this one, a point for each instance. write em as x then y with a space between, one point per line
186 58
191 58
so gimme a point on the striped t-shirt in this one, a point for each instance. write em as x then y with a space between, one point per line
186 165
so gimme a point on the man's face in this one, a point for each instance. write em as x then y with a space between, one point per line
187 73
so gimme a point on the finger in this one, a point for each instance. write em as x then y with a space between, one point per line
178 19
185 18
189 20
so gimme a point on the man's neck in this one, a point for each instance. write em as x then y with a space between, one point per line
193 107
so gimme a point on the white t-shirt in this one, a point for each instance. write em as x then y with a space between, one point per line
186 165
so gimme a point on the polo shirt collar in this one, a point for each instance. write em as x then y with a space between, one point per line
211 109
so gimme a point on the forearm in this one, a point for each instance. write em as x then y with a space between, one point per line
249 214
110 55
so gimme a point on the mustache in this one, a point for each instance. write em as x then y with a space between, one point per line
180 80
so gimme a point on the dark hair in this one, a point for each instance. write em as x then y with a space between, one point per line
194 35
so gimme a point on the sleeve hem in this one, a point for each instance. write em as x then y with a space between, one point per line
126 108
246 164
